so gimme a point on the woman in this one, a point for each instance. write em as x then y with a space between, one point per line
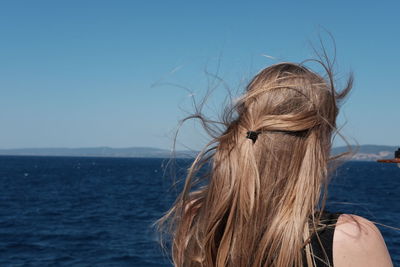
262 202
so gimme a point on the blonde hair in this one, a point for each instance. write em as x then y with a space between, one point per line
258 204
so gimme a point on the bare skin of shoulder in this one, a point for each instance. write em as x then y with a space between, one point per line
357 242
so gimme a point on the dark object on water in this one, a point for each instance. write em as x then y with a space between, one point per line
395 160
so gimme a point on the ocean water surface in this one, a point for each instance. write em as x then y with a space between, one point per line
80 211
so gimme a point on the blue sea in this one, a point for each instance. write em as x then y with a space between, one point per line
81 211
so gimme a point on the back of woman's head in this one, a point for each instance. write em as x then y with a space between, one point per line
258 204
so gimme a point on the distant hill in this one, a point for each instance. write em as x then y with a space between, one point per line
368 152
363 153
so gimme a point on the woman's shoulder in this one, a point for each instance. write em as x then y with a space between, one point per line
358 242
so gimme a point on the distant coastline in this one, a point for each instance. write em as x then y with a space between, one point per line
128 152
363 153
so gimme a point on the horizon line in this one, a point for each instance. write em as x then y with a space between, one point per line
149 147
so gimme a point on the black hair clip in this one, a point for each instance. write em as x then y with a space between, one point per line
253 135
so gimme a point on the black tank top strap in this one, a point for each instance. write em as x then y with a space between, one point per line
322 241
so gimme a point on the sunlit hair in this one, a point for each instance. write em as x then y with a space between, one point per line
260 202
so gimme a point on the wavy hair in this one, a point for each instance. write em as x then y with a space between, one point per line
260 202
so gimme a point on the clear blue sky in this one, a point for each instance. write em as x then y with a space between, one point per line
80 73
